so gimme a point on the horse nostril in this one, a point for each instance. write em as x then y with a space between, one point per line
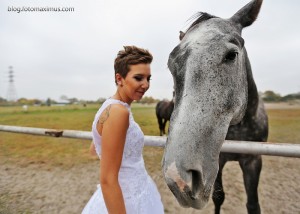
196 183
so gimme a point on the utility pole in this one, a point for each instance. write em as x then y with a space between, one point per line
11 91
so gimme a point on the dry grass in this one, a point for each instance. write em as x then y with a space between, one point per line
27 149
284 125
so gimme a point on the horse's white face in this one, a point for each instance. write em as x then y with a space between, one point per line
210 82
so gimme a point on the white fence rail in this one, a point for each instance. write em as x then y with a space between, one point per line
262 148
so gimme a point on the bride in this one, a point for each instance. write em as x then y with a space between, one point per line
125 186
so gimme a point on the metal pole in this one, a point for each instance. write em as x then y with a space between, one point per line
262 148
47 132
258 148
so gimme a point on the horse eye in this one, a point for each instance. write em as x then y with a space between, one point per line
230 56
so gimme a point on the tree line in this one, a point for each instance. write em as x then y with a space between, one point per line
267 96
271 96
64 100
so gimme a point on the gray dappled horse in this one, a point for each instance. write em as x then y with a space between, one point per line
215 98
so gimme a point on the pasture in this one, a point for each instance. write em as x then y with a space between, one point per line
27 149
23 157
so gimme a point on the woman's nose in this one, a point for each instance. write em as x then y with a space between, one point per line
146 84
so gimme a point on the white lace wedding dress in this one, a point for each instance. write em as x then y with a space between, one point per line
139 191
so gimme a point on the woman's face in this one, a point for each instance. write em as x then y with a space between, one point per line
136 82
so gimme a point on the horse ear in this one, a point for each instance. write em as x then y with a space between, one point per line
248 14
181 35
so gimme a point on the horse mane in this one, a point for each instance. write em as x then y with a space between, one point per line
199 17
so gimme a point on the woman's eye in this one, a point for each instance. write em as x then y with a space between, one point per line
231 56
138 78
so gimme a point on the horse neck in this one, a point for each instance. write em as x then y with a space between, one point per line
171 105
253 97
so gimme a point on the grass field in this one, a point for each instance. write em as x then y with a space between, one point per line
284 125
27 149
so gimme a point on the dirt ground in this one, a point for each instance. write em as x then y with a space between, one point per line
38 189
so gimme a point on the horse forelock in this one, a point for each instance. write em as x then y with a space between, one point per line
199 18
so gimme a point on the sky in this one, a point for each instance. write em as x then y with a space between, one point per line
72 53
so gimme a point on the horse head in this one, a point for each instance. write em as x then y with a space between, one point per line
209 69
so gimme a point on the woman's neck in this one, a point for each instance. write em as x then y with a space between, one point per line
122 97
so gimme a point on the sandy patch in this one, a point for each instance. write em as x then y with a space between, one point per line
57 190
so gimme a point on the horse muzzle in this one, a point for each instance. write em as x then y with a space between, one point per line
189 192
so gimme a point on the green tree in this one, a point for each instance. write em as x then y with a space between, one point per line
271 96
48 102
291 97
147 100
2 100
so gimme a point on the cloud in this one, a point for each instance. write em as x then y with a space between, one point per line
72 53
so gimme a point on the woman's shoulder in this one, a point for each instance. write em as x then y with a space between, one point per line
116 112
114 109
114 115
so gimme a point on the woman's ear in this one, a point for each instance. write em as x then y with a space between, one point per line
119 80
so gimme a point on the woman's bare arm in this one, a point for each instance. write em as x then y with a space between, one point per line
93 149
114 129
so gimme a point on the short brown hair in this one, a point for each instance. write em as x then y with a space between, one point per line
131 55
